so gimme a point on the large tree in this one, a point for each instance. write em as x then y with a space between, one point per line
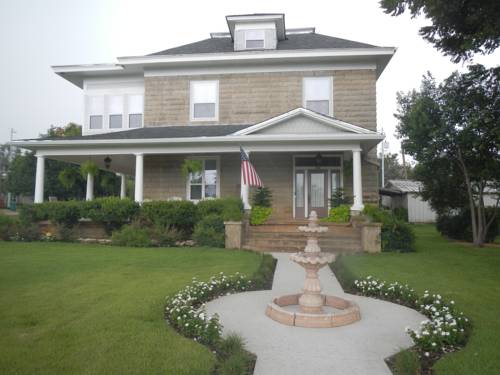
459 28
452 130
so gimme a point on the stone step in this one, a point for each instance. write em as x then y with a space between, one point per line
302 237
294 229
291 245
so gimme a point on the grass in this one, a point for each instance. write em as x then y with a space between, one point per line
90 309
470 276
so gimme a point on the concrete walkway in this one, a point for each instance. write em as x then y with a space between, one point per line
359 348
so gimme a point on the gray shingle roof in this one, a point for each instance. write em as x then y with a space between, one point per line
293 42
180 131
405 186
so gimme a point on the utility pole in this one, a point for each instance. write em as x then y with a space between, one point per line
385 146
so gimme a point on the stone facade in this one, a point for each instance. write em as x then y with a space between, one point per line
247 99
254 97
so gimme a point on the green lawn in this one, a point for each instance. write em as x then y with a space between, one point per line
89 309
468 275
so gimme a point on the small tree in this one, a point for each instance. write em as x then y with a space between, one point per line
453 131
262 197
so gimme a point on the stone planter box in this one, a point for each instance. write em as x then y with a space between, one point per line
234 231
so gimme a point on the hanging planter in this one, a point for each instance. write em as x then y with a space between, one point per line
89 167
191 166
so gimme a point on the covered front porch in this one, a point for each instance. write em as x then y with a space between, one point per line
301 156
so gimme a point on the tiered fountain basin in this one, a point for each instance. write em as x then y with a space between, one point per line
311 309
347 312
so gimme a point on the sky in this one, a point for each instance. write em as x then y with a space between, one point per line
36 34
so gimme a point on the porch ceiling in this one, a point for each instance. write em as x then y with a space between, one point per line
119 163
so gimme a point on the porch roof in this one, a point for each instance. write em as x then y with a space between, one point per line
280 133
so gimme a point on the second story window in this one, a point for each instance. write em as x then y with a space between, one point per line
135 108
318 93
254 39
115 106
204 97
96 110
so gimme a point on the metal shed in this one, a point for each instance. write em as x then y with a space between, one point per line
406 194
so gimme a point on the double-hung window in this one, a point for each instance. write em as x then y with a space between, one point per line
204 184
96 111
318 92
135 109
204 97
115 107
254 39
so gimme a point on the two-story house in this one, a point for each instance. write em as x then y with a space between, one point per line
301 104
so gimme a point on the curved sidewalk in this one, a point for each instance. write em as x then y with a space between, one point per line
359 348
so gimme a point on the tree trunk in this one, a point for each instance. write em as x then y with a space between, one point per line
472 205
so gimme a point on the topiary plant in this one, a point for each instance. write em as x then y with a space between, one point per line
262 197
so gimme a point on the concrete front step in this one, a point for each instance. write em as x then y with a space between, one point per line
348 245
301 237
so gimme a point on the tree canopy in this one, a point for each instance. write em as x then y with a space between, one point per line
459 28
452 130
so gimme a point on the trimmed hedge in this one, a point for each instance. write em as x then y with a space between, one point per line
230 209
397 235
259 215
210 231
338 214
181 215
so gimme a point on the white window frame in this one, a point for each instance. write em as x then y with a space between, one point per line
247 32
304 99
128 112
217 186
191 101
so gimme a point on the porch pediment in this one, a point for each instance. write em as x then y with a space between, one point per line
302 121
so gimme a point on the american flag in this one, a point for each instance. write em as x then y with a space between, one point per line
250 176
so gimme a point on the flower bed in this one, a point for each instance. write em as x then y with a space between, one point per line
185 310
445 330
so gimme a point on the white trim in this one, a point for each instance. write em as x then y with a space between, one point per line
249 68
308 113
330 91
257 55
191 101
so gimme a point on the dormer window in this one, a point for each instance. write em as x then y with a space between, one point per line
254 39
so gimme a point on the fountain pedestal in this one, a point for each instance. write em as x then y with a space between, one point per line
311 301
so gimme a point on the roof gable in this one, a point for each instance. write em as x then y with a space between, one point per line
303 121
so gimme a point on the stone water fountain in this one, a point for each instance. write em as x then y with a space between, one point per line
312 309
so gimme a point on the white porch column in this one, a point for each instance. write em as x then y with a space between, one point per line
139 177
90 187
245 190
39 179
357 185
123 186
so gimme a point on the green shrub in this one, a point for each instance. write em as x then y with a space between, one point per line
263 277
259 215
230 209
131 235
65 233
64 212
180 215
209 231
31 213
339 198
111 212
164 236
397 235
459 227
339 214
400 213
406 362
262 197
8 227
27 232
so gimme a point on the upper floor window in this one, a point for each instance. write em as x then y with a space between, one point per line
318 92
135 106
95 110
254 39
115 107
114 111
204 97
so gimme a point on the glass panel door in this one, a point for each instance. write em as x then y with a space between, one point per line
318 192
300 194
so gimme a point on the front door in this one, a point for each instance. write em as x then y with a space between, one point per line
311 192
318 192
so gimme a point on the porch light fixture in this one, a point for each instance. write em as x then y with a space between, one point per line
318 159
107 162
